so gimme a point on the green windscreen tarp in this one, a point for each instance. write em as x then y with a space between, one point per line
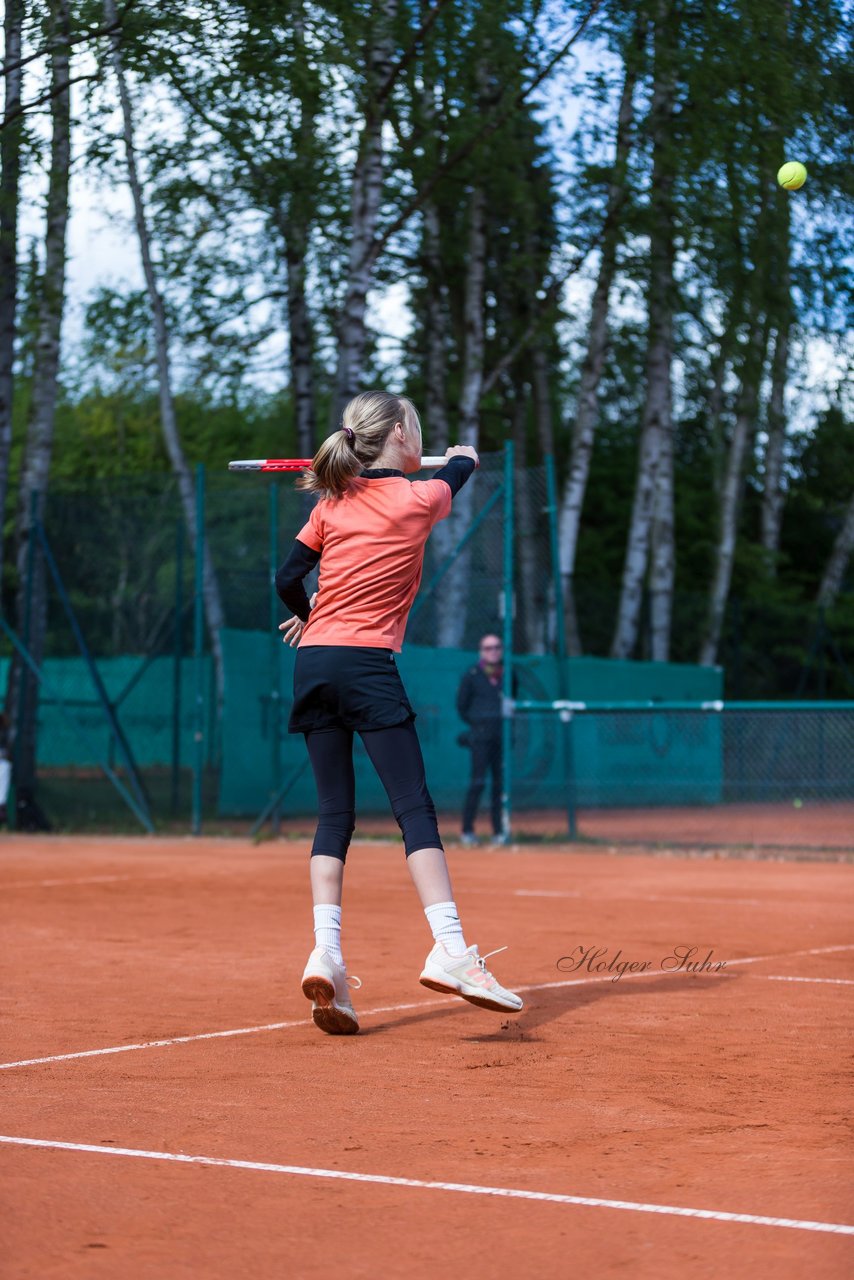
622 758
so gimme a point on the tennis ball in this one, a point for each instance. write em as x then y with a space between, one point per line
792 175
798 804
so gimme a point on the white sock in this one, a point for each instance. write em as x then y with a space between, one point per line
327 930
443 918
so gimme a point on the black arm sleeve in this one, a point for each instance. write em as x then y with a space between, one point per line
455 472
289 578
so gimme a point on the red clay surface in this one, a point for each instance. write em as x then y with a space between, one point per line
721 1091
814 826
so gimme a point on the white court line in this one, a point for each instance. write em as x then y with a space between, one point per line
399 1008
511 1193
648 897
43 884
779 977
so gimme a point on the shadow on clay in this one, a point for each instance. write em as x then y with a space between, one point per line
544 1007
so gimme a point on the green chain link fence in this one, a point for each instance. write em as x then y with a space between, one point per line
128 569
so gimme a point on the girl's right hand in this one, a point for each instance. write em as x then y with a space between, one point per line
462 451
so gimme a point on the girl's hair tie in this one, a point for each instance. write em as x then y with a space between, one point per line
349 433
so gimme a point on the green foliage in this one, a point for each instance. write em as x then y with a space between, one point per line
249 118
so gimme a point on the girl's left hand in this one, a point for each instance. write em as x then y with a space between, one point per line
292 629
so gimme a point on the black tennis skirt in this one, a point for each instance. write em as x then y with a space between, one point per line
347 687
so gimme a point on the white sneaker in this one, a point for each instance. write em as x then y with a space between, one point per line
468 976
324 983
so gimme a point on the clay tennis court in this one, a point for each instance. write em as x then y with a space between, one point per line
168 1108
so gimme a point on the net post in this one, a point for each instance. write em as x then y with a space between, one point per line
507 681
198 633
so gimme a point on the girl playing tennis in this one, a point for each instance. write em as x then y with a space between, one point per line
368 533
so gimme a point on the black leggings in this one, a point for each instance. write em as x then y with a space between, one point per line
395 753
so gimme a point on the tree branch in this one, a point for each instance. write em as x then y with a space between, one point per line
511 355
55 92
72 40
489 127
409 54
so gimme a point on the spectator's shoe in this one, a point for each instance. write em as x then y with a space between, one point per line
468 976
468 837
324 983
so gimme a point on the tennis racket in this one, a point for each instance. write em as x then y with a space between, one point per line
302 464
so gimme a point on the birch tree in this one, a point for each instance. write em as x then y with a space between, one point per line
742 436
587 408
653 499
780 317
365 196
452 618
834 573
437 336
532 563
31 603
772 486
295 217
212 602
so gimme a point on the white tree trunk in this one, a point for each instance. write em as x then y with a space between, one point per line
838 562
663 565
300 337
452 617
10 172
772 491
437 327
546 443
38 448
653 500
212 601
533 581
366 192
295 224
742 435
437 427
715 402
587 409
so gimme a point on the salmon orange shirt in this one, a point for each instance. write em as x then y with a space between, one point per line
372 544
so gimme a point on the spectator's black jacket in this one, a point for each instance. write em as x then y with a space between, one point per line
479 701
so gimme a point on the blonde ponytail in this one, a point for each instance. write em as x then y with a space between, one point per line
367 422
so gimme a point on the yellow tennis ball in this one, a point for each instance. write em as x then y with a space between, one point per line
792 175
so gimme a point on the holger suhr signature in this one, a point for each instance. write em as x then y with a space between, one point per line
681 959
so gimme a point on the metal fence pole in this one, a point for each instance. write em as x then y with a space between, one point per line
198 656
275 663
507 684
563 680
12 802
176 666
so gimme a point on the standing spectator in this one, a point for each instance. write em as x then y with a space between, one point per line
479 704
